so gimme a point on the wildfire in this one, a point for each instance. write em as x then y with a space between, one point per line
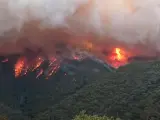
23 66
118 57
38 63
120 54
19 66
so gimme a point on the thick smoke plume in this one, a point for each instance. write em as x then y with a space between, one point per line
51 24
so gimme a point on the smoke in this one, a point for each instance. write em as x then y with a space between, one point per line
45 23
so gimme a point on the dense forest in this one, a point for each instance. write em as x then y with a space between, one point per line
131 92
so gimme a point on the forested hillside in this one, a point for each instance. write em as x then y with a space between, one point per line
131 92
32 95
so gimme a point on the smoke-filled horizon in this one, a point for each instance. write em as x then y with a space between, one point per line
45 23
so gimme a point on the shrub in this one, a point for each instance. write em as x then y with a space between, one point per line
83 116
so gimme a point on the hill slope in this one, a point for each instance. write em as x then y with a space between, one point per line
37 95
132 93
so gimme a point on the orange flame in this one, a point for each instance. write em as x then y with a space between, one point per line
19 66
23 66
118 57
120 54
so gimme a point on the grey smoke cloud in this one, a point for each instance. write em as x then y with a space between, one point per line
129 21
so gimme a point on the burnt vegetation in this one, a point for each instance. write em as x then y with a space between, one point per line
131 92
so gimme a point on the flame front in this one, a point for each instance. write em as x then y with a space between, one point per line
116 58
23 66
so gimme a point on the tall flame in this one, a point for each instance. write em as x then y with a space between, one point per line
118 57
120 54
19 66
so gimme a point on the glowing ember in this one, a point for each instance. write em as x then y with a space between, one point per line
38 63
76 58
53 70
39 73
5 60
